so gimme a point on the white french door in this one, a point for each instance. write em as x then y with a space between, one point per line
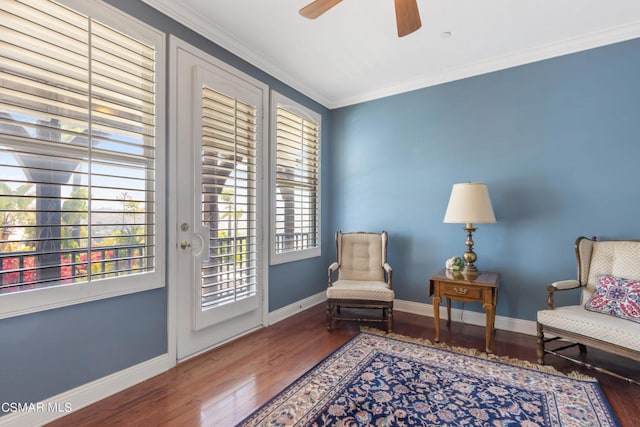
219 163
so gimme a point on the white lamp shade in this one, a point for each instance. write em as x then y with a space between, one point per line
470 203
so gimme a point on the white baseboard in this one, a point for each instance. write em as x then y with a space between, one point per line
527 327
510 324
291 309
55 407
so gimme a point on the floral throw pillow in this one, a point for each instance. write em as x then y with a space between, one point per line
616 297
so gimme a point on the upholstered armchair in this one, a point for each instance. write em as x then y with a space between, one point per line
608 316
363 279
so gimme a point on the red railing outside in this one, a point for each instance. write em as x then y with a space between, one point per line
20 270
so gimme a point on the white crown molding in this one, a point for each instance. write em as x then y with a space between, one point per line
514 59
190 19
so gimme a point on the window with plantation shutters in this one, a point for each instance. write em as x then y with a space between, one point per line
229 272
296 177
78 150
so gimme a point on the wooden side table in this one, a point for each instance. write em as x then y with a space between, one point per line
467 287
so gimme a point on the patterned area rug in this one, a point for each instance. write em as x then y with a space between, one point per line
391 380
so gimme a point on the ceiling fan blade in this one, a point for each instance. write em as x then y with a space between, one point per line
407 17
317 8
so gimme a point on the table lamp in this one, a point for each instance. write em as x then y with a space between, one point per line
469 203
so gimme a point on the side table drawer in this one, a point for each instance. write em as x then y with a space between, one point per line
461 291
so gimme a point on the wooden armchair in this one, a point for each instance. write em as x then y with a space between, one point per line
364 278
607 317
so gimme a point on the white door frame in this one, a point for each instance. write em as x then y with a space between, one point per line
175 45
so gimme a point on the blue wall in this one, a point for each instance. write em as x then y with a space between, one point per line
53 351
557 142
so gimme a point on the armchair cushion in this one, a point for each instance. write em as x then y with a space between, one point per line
608 329
361 257
359 290
618 258
616 297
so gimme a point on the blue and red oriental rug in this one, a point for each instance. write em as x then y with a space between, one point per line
378 380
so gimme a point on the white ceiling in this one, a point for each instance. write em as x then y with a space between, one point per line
352 53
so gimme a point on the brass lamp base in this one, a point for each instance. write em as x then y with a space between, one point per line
469 256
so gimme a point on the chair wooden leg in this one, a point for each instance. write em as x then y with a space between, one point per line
333 312
540 344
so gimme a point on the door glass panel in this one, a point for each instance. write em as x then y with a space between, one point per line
229 269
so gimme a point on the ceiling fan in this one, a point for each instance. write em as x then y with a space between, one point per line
407 15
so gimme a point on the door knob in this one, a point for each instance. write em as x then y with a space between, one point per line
185 244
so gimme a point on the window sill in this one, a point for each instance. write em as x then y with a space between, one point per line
34 301
295 255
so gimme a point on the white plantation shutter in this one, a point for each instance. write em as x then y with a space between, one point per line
77 148
297 180
229 272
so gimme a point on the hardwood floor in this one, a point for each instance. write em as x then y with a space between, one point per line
221 387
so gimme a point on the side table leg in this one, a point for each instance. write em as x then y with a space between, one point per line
491 320
436 316
448 311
